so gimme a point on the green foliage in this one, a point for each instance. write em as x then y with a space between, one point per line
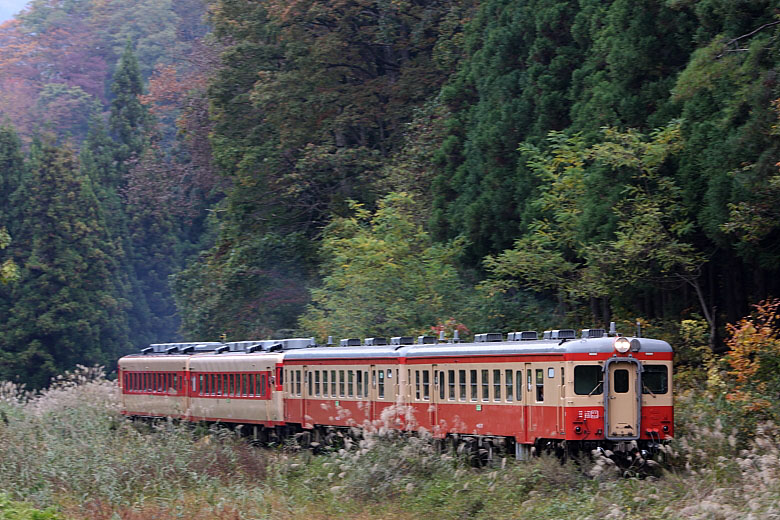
247 290
10 510
65 309
382 275
646 243
9 272
129 118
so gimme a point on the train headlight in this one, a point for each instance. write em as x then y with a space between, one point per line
622 345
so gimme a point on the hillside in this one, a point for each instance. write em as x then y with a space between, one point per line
365 168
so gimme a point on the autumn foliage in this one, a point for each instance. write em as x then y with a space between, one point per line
754 359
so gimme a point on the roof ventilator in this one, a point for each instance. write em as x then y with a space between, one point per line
350 342
563 334
376 342
402 340
593 333
426 340
488 337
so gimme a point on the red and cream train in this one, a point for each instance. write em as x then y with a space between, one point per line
560 391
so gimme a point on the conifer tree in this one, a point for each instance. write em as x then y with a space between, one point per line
11 171
66 310
129 117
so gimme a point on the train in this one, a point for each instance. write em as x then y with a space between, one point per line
521 392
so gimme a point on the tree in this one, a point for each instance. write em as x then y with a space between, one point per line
383 275
8 270
129 118
65 310
643 247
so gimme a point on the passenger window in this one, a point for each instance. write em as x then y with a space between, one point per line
655 379
485 385
417 384
474 385
451 376
442 385
298 388
539 385
341 383
509 390
309 382
350 383
325 383
519 386
261 391
588 380
496 385
333 382
381 384
317 382
621 381
462 384
359 382
426 384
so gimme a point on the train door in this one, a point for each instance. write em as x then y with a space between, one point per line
306 394
622 406
531 413
562 400
433 408
373 392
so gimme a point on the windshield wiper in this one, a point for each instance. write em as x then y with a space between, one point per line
595 388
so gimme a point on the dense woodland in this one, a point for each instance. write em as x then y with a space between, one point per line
180 169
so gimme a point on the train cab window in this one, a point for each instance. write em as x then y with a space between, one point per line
539 385
426 375
451 384
620 381
588 380
485 385
381 384
462 384
342 383
509 391
655 379
496 385
519 386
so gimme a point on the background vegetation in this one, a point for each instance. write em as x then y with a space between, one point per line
189 169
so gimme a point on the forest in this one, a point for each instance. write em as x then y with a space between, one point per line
259 169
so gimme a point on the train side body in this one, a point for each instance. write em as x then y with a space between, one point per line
581 391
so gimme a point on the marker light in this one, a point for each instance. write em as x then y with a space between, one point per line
622 345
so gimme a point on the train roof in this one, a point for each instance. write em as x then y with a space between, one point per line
593 345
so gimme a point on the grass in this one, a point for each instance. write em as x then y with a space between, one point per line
69 450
